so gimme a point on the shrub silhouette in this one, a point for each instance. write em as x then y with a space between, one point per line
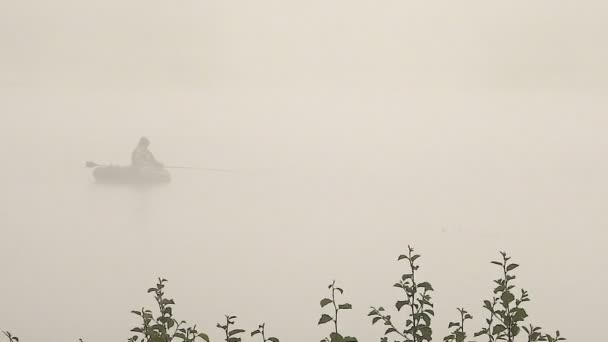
506 312
262 332
334 336
163 328
505 321
417 301
232 335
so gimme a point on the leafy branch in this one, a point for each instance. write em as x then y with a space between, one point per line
10 337
535 335
458 335
506 313
231 334
262 332
164 327
417 300
335 336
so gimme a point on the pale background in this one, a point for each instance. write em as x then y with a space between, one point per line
354 128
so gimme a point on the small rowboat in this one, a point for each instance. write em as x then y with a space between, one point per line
131 175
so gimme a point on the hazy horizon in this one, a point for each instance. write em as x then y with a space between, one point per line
352 129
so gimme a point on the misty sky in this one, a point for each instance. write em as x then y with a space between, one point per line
192 43
353 128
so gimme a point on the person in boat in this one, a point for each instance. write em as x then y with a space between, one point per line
142 157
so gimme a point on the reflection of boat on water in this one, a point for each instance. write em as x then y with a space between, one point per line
131 175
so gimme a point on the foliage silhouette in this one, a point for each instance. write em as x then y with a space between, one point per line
163 328
458 335
417 302
262 332
506 312
505 321
334 336
231 334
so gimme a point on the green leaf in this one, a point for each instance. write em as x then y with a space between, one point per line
390 330
499 328
325 318
335 337
235 332
507 297
426 318
158 327
515 331
345 306
426 332
482 332
512 267
520 315
400 304
425 285
325 301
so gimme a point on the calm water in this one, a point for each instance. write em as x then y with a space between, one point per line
325 185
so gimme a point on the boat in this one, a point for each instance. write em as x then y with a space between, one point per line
131 175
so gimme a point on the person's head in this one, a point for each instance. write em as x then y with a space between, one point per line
144 142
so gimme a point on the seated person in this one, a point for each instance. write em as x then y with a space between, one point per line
142 157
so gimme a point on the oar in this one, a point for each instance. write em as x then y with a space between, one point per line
91 164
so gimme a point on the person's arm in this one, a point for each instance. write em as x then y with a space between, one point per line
153 160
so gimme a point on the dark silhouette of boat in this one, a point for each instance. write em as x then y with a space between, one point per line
131 175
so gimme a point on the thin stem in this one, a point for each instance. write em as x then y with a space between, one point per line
491 320
508 310
333 298
461 321
413 297
386 320
176 331
227 327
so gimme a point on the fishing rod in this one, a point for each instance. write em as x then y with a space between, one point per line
197 168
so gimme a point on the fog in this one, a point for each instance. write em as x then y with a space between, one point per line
350 128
